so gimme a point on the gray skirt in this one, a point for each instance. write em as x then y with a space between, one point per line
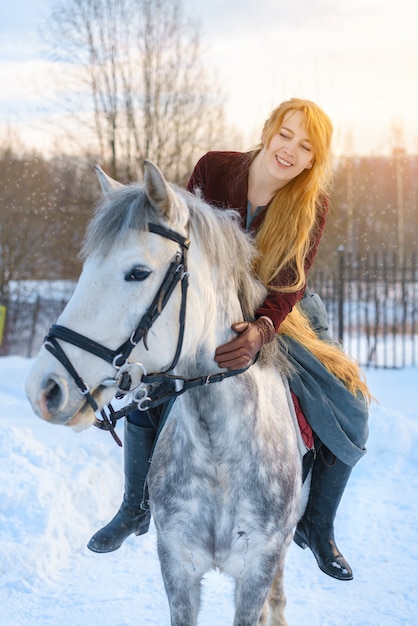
337 417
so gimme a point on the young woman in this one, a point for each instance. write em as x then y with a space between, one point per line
279 190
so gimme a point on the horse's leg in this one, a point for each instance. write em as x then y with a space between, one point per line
249 599
183 595
183 588
251 592
264 615
184 601
273 609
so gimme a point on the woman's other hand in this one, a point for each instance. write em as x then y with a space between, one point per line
239 352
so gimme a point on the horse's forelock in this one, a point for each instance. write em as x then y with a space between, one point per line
119 211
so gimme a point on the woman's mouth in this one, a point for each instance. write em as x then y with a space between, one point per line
283 162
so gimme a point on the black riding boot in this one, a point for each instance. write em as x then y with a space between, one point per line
316 528
138 442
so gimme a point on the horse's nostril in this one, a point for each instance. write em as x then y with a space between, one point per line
52 395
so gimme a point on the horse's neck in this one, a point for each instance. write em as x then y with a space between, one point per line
212 307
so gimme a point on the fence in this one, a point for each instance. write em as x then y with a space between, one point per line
31 307
371 301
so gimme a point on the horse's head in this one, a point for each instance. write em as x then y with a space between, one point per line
127 314
134 244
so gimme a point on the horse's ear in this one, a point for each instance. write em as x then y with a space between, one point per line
106 183
157 190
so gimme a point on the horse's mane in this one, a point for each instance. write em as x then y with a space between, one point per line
228 248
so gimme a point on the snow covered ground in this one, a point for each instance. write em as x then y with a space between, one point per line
58 487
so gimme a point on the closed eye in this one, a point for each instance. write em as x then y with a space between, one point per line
137 274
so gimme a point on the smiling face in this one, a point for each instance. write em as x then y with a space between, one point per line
290 150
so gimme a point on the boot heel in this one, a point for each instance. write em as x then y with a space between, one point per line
297 538
143 527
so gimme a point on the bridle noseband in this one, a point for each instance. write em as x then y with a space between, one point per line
106 417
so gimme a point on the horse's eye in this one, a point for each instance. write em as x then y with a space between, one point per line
137 273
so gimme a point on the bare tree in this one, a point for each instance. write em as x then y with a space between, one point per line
23 224
399 155
44 208
140 63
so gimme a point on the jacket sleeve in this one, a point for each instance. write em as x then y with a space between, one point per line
278 305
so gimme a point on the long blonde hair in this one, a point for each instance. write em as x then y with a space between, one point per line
332 357
284 237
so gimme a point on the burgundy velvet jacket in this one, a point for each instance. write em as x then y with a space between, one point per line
222 178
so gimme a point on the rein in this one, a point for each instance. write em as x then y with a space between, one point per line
177 272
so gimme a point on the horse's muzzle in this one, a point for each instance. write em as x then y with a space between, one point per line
57 401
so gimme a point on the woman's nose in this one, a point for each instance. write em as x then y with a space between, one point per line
290 149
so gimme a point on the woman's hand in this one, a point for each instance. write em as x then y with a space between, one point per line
239 352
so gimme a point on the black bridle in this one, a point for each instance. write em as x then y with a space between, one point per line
177 272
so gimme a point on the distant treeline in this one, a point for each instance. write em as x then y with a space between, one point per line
374 207
46 203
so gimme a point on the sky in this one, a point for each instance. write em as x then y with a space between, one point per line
357 59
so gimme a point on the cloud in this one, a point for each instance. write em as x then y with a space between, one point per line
29 83
357 59
240 18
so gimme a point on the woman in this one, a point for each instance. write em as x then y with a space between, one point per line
279 190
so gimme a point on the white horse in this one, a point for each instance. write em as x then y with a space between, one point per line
225 477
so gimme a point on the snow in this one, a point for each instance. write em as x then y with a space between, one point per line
58 487
30 290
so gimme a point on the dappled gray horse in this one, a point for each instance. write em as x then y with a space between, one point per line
225 477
